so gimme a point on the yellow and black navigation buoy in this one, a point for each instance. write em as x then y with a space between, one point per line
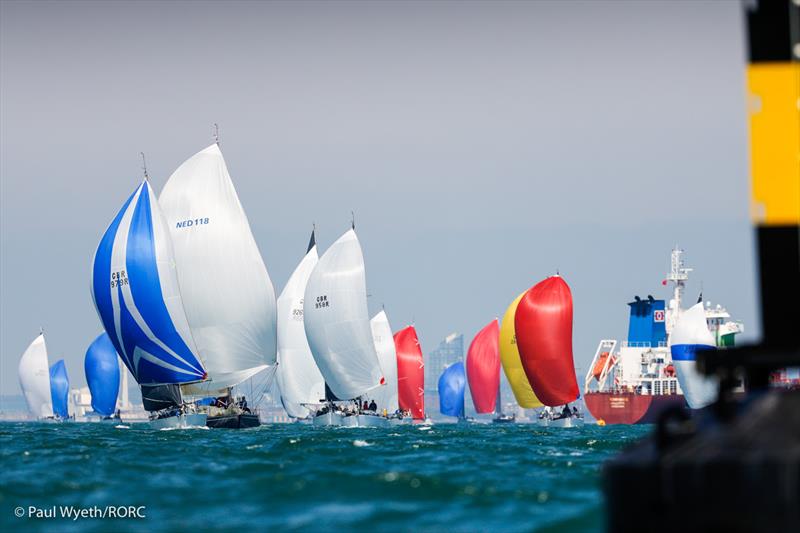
773 84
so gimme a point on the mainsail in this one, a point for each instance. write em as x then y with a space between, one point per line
483 368
543 324
34 379
299 379
410 372
452 384
135 292
386 395
102 375
59 389
689 336
337 322
227 293
512 364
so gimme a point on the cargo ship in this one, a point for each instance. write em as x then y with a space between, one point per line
632 381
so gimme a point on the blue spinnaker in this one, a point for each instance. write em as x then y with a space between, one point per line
452 383
59 389
135 290
102 374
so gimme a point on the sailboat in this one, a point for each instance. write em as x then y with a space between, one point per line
691 335
101 367
337 327
410 373
452 386
511 362
386 395
34 379
42 385
300 381
483 369
227 293
543 326
59 390
138 299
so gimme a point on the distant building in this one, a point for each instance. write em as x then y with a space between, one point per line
449 351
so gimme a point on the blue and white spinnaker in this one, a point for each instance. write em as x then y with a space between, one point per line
102 374
136 293
691 335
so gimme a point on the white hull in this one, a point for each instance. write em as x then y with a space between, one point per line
368 421
180 421
571 422
328 419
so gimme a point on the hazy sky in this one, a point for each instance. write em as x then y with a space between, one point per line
482 146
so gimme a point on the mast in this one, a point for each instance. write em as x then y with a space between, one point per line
678 275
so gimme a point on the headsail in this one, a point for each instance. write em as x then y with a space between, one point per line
483 368
543 324
337 323
512 365
59 389
227 293
689 336
452 384
410 372
102 375
386 395
34 379
299 378
135 291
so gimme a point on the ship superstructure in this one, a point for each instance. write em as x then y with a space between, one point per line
630 382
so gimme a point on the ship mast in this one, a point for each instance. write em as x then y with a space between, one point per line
678 275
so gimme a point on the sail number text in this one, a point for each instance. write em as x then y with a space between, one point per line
191 222
119 278
322 301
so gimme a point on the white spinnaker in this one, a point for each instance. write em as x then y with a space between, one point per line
34 379
299 378
226 290
337 322
386 395
690 333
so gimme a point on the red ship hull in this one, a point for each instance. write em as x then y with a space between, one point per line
629 408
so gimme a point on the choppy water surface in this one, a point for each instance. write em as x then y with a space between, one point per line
446 477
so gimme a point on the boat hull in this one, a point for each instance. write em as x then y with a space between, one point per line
628 407
234 421
366 421
328 419
569 422
180 421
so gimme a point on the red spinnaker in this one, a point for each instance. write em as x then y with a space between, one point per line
483 368
543 325
410 372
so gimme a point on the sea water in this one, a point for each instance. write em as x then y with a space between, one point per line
445 477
